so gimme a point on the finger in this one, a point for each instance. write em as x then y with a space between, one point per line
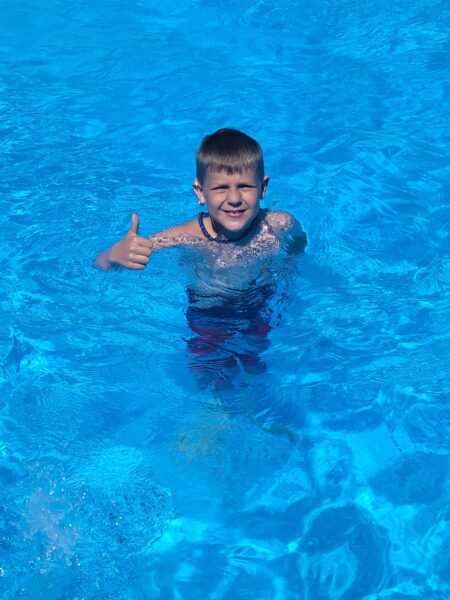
135 266
134 224
139 251
140 259
144 242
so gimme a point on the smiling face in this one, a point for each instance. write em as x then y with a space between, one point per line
232 199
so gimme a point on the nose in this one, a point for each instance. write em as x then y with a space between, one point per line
234 197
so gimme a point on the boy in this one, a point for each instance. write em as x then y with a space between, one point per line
237 242
230 182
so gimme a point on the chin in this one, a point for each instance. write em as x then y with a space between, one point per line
237 227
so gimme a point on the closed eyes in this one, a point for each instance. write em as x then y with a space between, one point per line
241 186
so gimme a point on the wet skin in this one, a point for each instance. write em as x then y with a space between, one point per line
233 204
232 200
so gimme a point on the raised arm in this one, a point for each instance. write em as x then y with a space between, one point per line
133 251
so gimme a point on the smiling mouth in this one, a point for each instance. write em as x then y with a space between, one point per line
234 213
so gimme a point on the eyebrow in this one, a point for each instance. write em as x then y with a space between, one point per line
241 184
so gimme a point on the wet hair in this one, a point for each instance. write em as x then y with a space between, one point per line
229 150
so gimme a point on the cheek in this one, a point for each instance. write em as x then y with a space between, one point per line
216 200
212 205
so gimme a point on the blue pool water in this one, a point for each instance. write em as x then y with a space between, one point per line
120 476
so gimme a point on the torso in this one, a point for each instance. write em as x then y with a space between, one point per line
224 268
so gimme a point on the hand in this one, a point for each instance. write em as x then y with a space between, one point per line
132 252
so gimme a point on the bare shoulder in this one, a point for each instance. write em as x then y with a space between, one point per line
185 234
189 228
290 229
280 219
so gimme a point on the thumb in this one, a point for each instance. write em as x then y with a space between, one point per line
134 224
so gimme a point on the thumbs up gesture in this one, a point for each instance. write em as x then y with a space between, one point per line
132 252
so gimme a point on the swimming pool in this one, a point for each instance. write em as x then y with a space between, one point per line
120 476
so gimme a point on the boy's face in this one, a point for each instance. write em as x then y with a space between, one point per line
232 199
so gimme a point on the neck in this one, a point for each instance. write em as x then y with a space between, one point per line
221 237
233 237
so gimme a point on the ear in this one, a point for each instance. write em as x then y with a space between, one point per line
198 190
264 185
